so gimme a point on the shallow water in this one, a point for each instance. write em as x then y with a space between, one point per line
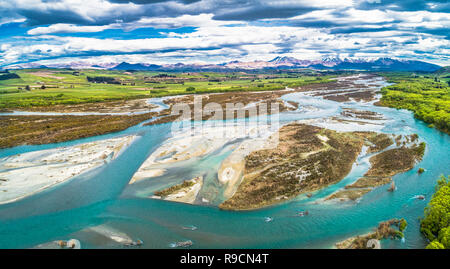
103 196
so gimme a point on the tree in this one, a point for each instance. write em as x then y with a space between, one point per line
190 89
435 224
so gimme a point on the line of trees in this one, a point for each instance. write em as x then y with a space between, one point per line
6 76
436 223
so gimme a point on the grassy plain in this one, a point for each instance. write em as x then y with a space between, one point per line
36 130
427 95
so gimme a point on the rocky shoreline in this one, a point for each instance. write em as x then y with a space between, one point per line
384 165
306 159
38 130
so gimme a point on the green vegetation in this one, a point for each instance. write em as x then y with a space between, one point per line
436 223
170 190
435 245
47 87
352 194
443 72
427 96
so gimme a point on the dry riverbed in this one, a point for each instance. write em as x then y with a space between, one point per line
384 165
392 229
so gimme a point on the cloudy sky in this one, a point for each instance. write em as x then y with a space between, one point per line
208 31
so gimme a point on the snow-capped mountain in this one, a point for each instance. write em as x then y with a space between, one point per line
370 64
280 62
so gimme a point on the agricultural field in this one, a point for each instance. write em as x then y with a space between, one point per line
47 87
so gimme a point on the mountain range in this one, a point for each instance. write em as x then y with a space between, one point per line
280 62
379 64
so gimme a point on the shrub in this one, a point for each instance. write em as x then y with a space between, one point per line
402 225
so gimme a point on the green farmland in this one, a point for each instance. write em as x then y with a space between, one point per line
428 96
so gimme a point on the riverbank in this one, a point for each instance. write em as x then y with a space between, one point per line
25 174
426 96
392 229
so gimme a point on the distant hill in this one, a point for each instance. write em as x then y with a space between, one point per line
290 61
